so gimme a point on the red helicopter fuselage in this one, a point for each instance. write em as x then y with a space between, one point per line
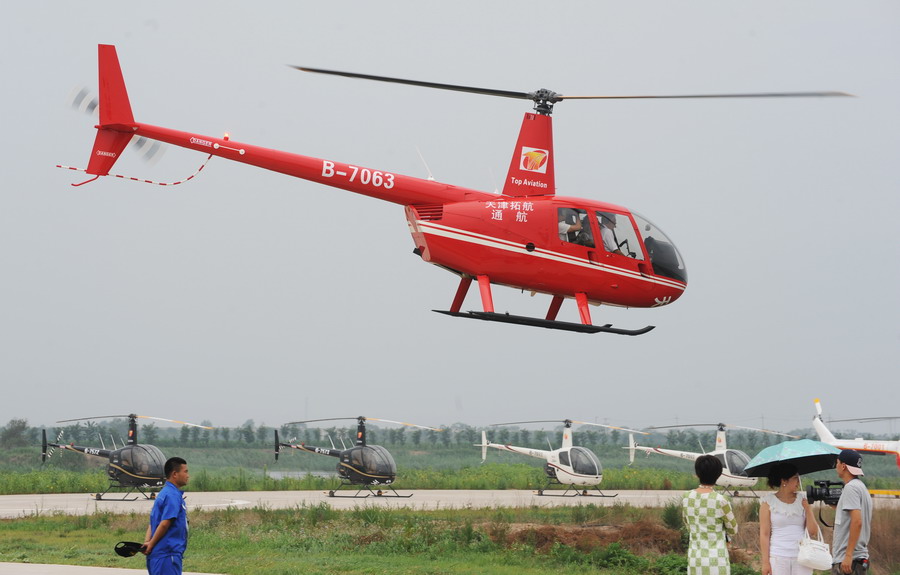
526 237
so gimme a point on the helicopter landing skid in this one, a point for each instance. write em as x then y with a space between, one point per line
545 323
575 493
371 493
100 496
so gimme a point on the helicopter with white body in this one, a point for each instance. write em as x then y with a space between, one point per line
872 446
570 465
733 460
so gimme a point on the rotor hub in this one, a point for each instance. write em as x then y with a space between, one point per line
543 100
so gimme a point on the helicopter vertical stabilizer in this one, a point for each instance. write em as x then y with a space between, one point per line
823 432
116 126
531 169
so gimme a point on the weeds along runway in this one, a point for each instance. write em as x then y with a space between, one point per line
12 506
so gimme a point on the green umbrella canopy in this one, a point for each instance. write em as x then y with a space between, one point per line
807 455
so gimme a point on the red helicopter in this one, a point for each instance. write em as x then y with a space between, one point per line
525 237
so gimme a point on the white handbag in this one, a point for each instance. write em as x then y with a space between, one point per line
814 553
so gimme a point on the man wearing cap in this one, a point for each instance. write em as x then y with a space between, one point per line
607 232
852 520
167 533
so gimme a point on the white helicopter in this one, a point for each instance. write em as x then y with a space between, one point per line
733 460
569 465
873 446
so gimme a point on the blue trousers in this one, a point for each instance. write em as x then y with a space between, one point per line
164 564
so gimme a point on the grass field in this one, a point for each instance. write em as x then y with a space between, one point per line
620 540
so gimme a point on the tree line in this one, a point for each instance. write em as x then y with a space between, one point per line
18 433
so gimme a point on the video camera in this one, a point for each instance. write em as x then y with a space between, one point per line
827 491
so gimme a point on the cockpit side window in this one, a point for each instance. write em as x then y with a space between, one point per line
575 227
618 236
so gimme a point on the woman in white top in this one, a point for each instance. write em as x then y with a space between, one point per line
783 516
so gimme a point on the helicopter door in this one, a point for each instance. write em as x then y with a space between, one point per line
618 235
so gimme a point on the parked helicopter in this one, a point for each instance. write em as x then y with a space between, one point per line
733 460
570 465
133 466
526 237
364 465
874 446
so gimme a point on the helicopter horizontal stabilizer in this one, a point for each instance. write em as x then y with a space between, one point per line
549 324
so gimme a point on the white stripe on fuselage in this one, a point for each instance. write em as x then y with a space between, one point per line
432 228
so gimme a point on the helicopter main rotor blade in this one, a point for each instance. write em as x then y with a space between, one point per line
175 421
96 417
403 423
688 96
726 426
864 419
534 421
611 427
130 415
317 420
456 88
557 97
683 425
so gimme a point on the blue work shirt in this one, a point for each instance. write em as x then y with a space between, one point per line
170 504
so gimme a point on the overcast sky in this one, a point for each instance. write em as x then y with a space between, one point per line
234 296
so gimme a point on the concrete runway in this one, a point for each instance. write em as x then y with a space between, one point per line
13 506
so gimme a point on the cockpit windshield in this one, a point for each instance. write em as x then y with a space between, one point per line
584 462
663 254
378 461
737 461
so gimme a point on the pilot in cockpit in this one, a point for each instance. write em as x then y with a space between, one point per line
608 232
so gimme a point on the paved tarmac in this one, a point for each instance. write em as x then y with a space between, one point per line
12 506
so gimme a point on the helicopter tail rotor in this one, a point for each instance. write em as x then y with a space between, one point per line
277 445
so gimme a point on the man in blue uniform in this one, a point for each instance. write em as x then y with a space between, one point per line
167 533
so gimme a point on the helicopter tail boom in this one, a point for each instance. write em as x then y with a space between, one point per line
117 127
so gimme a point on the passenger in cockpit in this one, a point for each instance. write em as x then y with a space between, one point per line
566 228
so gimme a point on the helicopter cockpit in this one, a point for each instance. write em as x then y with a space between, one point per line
582 460
373 460
139 461
734 461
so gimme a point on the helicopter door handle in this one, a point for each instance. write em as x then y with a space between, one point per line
644 268
592 257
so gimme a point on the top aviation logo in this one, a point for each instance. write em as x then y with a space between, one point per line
534 160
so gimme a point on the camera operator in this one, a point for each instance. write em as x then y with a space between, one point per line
852 520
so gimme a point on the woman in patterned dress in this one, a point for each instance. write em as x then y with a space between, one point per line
783 516
710 520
